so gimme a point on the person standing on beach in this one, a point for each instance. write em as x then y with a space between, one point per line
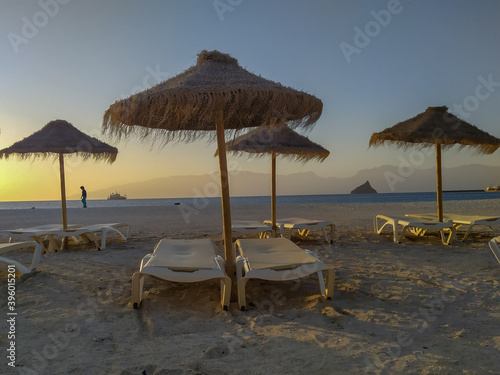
84 197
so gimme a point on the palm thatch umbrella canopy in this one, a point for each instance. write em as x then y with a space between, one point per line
437 127
60 137
277 140
215 94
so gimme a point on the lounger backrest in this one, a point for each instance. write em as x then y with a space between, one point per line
184 255
273 253
494 248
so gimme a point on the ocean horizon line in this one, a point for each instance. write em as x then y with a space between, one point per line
264 199
258 196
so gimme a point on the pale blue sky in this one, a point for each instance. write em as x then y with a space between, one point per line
71 59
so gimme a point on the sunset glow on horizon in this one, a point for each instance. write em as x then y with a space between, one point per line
372 63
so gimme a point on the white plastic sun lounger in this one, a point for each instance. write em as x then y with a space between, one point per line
251 227
103 230
286 227
182 261
416 226
494 247
39 234
277 259
459 220
7 247
51 232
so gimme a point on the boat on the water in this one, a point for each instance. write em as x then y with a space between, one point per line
116 196
493 188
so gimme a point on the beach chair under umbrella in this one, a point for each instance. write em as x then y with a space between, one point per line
437 127
214 95
277 140
59 137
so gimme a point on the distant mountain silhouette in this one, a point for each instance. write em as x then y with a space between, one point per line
384 179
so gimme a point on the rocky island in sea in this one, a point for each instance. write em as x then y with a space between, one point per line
366 188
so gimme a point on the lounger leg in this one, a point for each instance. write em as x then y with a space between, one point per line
330 281
242 302
444 240
93 238
304 232
225 292
53 243
325 233
394 224
36 257
468 232
332 232
137 288
103 238
494 249
443 237
395 231
375 225
452 235
321 283
266 234
19 267
39 241
105 232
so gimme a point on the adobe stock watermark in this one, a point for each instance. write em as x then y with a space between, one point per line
210 190
11 315
151 78
75 156
223 6
421 321
86 315
406 168
363 36
30 26
483 91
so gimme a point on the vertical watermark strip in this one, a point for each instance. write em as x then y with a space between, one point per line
11 315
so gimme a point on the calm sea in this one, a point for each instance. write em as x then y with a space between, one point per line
330 198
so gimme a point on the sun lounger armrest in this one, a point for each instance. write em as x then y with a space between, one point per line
494 248
20 267
311 253
221 263
241 264
145 260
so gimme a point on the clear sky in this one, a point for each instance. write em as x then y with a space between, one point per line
372 63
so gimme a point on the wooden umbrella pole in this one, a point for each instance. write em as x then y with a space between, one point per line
63 191
64 244
226 207
439 183
273 193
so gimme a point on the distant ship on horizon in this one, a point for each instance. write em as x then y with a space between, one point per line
116 196
493 188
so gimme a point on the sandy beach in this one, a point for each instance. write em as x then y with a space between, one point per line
418 307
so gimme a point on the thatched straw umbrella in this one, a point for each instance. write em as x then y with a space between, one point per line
215 94
437 127
60 137
277 140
